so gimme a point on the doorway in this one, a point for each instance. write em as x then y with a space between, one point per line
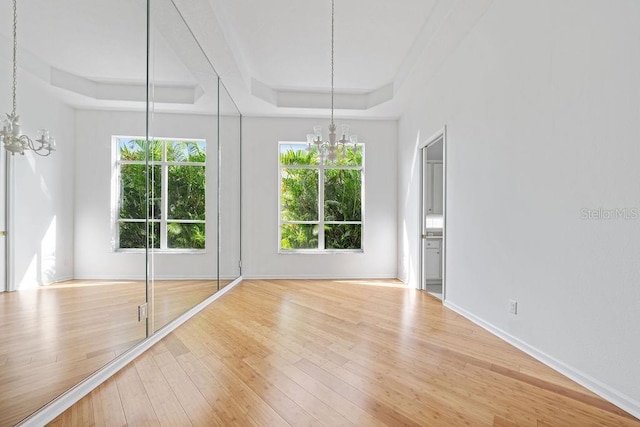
432 215
4 271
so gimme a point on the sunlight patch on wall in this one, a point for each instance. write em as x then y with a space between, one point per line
29 280
42 268
48 254
408 266
46 192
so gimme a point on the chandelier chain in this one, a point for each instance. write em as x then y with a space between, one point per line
333 12
337 144
15 50
11 136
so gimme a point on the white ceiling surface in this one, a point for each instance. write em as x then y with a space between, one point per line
286 43
93 54
273 57
90 39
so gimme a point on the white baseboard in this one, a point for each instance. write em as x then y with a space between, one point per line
58 280
245 276
621 400
317 276
141 277
403 279
44 284
57 406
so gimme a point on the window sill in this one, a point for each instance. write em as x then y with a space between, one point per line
162 251
320 251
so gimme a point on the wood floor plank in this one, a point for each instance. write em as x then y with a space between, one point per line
199 411
107 405
347 352
214 393
258 411
364 399
298 394
54 336
165 404
350 411
134 398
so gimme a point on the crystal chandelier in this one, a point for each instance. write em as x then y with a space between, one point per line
10 135
333 147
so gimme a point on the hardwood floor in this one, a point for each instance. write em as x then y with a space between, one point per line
273 353
54 336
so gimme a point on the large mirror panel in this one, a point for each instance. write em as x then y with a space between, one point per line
183 134
230 145
71 299
134 219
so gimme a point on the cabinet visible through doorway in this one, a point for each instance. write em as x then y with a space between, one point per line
432 260
434 193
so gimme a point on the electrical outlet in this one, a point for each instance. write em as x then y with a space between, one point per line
513 306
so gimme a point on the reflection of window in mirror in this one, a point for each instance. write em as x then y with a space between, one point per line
434 221
320 200
176 208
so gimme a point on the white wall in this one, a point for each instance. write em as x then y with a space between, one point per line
230 218
260 202
542 104
94 258
43 188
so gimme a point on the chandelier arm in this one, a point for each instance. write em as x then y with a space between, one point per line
43 149
15 53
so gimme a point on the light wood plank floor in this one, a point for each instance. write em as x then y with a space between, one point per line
334 353
52 337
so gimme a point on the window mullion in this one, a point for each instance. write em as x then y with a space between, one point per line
321 244
117 200
280 222
164 198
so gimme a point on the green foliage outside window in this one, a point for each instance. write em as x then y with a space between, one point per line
184 219
300 183
342 202
299 196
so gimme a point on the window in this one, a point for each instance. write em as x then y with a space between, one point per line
320 204
176 199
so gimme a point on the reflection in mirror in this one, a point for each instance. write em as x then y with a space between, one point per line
72 302
138 209
183 261
230 122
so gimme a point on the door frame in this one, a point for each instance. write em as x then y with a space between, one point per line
6 222
3 224
439 135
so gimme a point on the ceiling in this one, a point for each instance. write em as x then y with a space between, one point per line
280 52
285 44
273 57
92 55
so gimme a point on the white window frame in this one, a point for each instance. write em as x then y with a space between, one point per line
321 167
163 221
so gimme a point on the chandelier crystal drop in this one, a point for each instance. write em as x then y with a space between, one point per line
333 147
11 136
